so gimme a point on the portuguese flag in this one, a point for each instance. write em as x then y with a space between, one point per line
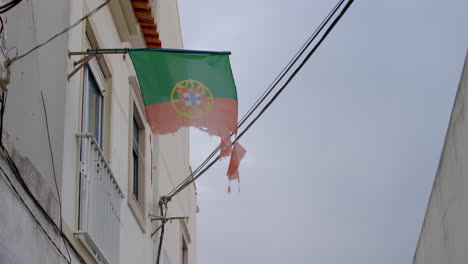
182 88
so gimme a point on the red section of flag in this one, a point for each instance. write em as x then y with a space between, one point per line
237 154
220 121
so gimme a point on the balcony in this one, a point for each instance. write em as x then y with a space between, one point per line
100 201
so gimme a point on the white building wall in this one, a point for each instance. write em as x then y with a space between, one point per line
444 235
25 132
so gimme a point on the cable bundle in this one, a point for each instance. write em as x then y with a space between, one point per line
203 167
6 7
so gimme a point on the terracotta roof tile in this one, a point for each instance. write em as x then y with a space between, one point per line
152 39
150 31
144 15
141 5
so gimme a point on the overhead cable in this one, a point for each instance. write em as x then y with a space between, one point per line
20 180
6 7
335 21
53 166
68 260
11 61
267 92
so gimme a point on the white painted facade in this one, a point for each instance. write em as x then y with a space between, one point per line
444 235
163 161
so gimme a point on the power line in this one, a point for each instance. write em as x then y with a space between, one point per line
31 196
6 7
271 87
21 181
26 189
267 91
290 64
12 164
161 236
51 155
335 21
53 168
34 217
58 34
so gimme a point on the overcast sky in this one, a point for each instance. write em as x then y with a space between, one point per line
340 168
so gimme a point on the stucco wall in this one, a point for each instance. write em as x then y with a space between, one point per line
29 24
18 230
25 132
444 235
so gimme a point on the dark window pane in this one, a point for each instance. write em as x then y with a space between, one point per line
135 136
135 175
135 158
95 109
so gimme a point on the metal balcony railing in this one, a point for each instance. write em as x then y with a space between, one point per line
100 201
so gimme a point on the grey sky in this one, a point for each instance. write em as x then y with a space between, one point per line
340 168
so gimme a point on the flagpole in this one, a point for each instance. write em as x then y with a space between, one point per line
98 51
125 50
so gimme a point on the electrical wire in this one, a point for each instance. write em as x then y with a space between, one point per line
6 7
20 179
262 98
52 157
26 189
270 88
58 34
287 82
53 168
7 156
335 21
2 111
34 217
1 21
163 223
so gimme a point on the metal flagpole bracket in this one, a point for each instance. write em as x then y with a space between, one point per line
80 64
89 54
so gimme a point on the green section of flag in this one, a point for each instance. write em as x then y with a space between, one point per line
158 72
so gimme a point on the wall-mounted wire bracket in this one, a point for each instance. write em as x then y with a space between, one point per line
164 220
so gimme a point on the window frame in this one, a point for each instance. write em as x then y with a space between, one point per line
91 70
135 157
137 116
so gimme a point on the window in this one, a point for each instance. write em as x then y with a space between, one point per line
100 196
138 141
135 158
93 99
93 105
92 119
